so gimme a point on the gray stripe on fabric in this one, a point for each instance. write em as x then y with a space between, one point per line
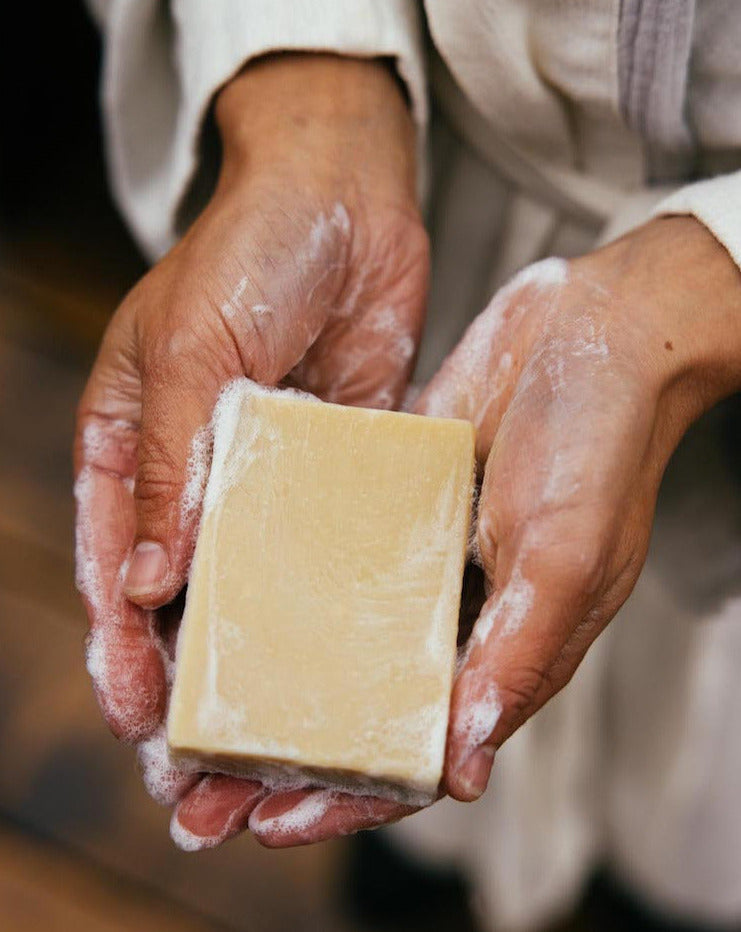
654 44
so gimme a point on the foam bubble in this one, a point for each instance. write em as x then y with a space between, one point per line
164 780
187 841
102 439
304 815
118 685
196 475
478 719
513 605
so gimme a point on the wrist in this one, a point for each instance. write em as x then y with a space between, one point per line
679 291
338 122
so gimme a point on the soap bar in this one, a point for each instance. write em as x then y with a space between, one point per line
319 633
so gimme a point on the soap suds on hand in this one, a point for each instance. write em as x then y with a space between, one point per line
196 474
478 719
511 606
189 842
165 781
307 813
474 352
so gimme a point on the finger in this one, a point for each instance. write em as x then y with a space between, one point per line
304 816
124 656
215 809
528 640
174 453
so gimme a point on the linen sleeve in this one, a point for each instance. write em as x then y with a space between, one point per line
715 202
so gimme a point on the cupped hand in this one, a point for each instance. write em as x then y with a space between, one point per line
308 267
580 377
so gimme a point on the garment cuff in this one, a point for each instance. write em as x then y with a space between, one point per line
716 203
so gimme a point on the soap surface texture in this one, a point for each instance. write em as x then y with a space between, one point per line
319 633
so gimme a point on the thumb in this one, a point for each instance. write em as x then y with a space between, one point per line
179 391
173 458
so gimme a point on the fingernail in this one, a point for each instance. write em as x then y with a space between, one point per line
147 570
473 775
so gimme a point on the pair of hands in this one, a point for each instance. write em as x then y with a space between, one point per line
309 267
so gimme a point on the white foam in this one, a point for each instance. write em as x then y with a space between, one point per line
517 601
102 437
398 343
187 841
380 336
106 601
562 482
95 658
101 643
305 814
513 606
592 341
323 230
164 780
231 307
478 719
195 475
87 570
547 273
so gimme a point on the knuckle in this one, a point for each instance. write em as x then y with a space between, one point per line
157 484
581 563
520 694
259 352
588 568
567 549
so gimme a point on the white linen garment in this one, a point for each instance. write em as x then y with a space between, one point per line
578 119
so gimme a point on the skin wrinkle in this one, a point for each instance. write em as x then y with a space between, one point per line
321 241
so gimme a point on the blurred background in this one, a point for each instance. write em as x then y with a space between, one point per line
82 847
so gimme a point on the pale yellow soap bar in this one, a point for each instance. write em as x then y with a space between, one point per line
319 634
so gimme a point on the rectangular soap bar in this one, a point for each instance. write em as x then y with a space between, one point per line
319 633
